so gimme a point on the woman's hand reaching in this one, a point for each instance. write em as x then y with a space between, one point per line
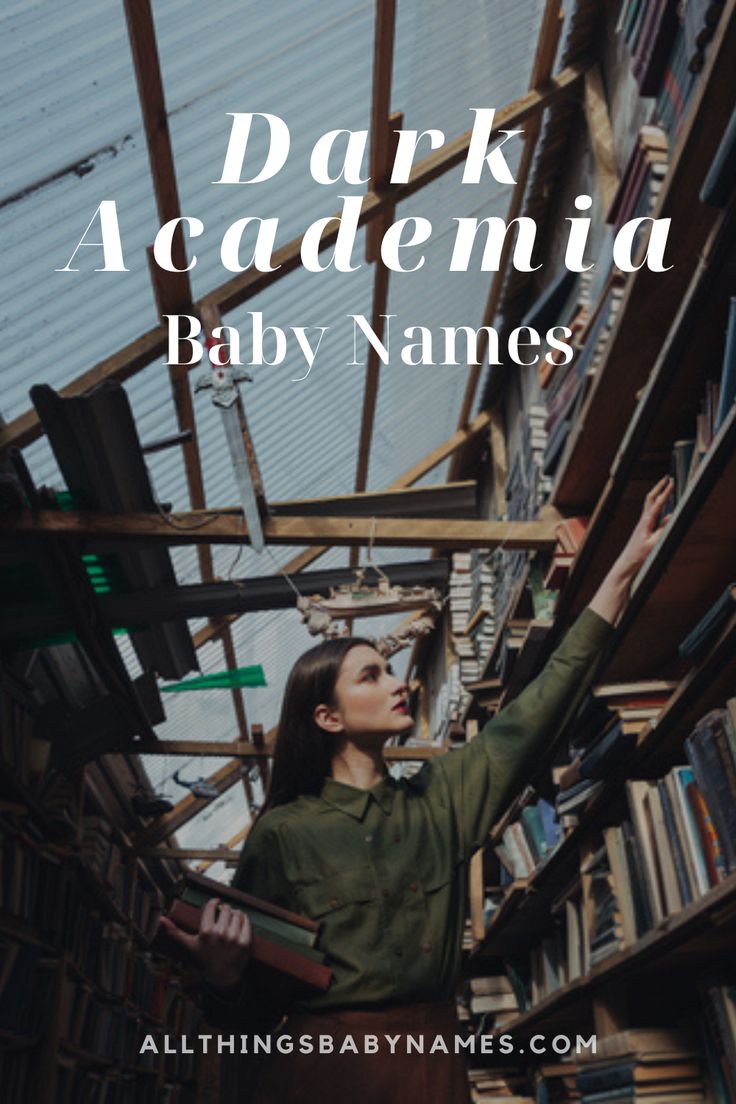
613 592
222 945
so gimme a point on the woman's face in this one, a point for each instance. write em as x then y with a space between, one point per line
369 698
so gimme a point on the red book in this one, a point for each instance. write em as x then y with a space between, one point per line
570 533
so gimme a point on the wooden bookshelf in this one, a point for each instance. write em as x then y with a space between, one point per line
651 299
29 825
692 352
521 920
689 569
699 934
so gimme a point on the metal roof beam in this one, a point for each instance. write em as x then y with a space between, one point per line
30 621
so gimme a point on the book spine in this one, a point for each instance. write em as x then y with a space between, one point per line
708 768
678 855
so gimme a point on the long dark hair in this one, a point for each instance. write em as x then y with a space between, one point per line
303 753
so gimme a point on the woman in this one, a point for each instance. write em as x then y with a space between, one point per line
383 864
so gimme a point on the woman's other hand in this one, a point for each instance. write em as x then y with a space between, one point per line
222 945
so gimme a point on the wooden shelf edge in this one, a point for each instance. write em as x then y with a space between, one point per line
670 932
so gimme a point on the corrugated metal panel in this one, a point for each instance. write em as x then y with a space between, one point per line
71 84
451 57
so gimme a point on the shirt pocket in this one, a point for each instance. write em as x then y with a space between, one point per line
335 892
436 881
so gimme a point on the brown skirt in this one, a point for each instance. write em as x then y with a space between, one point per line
402 1077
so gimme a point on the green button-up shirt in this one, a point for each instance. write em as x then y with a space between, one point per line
385 870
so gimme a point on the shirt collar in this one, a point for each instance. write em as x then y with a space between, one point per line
355 802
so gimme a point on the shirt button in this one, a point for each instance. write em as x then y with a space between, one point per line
413 887
333 902
426 947
369 838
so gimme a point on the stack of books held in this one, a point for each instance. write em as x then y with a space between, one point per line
284 948
659 1066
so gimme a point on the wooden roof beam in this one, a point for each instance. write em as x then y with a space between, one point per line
182 854
409 477
173 289
383 152
547 42
219 749
164 826
213 528
230 845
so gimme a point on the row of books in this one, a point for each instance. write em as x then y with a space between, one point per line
642 178
124 973
498 1086
75 1082
615 714
686 1064
529 841
660 1065
451 699
678 844
527 485
27 975
107 1029
677 88
24 755
650 31
699 19
570 535
461 603
689 452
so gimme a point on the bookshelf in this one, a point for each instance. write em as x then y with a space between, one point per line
653 352
694 344
81 986
650 303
